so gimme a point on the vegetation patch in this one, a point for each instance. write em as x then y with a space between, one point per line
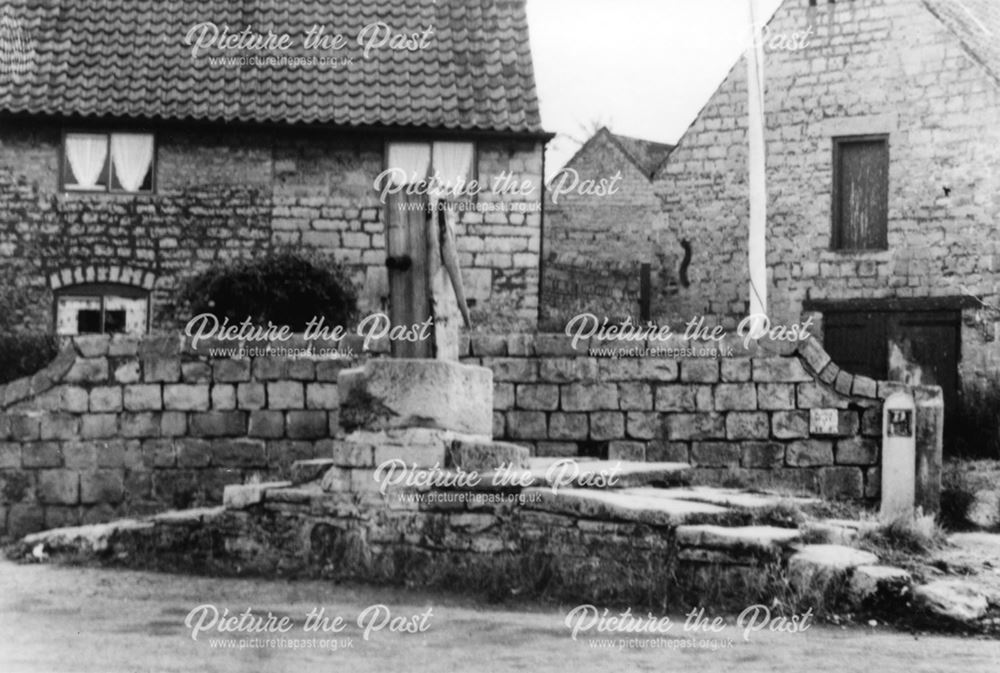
287 287
25 354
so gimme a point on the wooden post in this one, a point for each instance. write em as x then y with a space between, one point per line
757 243
645 290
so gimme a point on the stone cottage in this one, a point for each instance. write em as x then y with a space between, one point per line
143 142
883 169
596 240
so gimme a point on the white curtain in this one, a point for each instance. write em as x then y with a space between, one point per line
413 159
453 163
86 154
132 154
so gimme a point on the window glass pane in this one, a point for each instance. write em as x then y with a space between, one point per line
88 321
114 322
85 161
68 309
134 312
131 162
452 163
409 162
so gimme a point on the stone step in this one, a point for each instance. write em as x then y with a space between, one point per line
474 455
613 505
724 497
561 473
732 545
593 474
814 563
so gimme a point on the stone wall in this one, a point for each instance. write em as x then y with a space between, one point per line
595 243
574 284
742 419
868 67
228 193
117 426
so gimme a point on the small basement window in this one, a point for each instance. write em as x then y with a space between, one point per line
102 309
860 193
108 162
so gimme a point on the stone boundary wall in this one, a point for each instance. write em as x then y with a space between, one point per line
573 283
117 426
740 420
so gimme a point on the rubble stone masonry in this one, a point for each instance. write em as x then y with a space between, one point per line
868 67
117 426
225 193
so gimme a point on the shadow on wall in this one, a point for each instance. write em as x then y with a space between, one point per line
573 284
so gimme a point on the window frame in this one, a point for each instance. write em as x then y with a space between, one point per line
69 189
103 291
836 227
473 198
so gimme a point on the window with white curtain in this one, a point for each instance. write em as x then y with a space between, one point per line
102 308
120 162
451 163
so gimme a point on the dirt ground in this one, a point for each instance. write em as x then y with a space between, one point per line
83 620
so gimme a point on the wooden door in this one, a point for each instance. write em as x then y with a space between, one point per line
856 342
406 252
860 193
929 342
918 347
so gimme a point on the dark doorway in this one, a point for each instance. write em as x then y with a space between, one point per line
898 343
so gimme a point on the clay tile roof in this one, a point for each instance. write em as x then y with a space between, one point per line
977 25
128 58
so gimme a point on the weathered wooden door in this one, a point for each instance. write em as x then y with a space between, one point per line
919 347
406 259
927 344
856 342
860 193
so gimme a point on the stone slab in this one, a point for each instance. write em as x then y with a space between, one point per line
615 474
186 517
953 599
614 506
93 538
827 559
394 393
305 471
724 497
869 582
241 496
762 539
483 456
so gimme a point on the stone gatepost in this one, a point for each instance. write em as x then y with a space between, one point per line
930 446
912 447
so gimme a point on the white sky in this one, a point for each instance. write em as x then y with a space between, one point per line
642 68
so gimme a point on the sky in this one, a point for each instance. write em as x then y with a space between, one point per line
642 68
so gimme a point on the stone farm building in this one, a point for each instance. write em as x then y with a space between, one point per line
128 162
595 244
883 152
